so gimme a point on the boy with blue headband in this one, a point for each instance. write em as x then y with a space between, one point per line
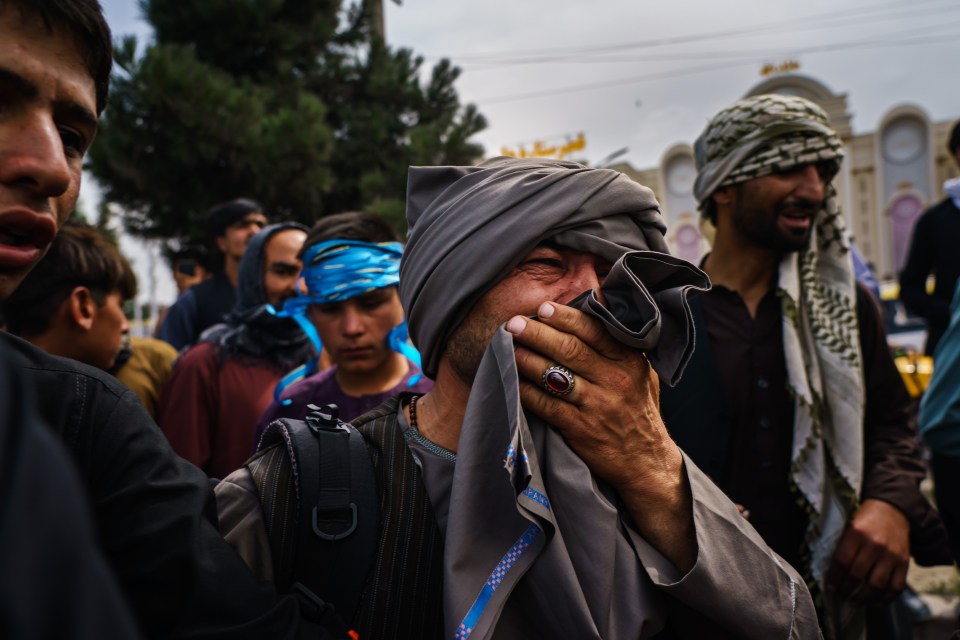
351 310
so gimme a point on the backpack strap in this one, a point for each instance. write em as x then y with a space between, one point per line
336 529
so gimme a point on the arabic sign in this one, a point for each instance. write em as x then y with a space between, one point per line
775 69
541 150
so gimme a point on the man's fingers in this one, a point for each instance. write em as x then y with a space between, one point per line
865 571
852 581
555 345
871 560
875 585
852 561
898 579
532 366
588 329
552 410
887 579
843 558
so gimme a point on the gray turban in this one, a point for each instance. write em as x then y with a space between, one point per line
470 226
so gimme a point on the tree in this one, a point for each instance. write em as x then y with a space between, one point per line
295 103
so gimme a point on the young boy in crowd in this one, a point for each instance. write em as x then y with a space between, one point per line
351 266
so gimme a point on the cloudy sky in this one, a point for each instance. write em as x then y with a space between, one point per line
645 75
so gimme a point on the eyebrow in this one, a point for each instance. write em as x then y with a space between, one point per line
76 111
18 82
29 90
549 243
376 294
280 264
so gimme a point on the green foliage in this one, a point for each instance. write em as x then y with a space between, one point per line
294 103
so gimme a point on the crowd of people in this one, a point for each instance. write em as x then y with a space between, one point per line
522 419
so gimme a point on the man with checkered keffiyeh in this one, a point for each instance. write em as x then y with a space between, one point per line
800 415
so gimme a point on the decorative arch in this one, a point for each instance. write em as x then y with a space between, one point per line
676 177
795 84
905 172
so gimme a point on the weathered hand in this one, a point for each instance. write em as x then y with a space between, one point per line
611 420
870 563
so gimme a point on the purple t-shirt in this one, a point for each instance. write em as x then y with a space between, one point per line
322 388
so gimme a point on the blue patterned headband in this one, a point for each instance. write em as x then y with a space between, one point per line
334 271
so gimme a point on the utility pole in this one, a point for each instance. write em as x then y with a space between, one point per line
376 8
376 12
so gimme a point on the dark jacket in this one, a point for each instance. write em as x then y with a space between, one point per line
933 250
696 415
153 512
54 581
200 307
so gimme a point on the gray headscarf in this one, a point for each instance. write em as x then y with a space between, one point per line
469 227
252 332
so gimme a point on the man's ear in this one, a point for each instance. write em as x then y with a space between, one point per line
81 308
221 243
723 196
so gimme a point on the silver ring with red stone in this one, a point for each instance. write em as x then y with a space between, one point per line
558 381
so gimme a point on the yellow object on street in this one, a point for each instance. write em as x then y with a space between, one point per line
916 370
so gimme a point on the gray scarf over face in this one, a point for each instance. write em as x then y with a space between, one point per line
469 227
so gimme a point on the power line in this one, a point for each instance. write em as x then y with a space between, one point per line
682 55
701 69
769 27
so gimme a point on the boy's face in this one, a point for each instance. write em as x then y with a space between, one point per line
47 122
102 343
354 332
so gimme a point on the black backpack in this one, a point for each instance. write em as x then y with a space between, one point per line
324 531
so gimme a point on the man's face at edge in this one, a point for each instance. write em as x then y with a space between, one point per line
237 235
47 123
281 266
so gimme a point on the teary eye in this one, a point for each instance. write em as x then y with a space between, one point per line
550 262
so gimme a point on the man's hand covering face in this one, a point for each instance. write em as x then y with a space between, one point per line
469 226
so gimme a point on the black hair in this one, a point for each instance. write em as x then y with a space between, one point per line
953 142
196 253
80 256
84 21
708 209
224 214
351 225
